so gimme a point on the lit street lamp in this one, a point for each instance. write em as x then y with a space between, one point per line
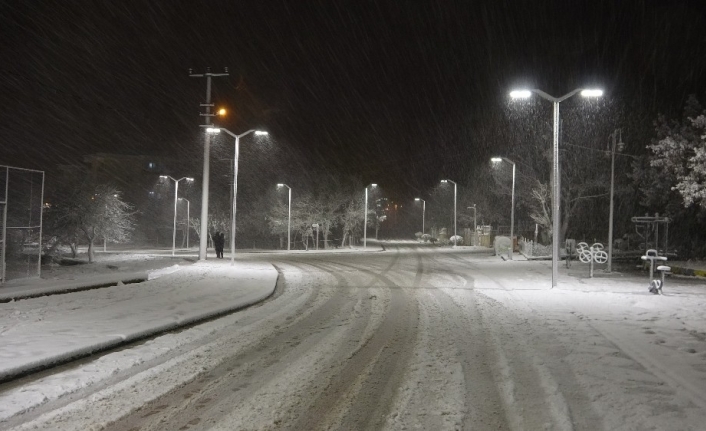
216 130
424 210
455 186
188 204
524 94
176 195
289 217
365 219
512 208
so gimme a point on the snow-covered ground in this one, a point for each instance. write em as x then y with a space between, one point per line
41 331
593 353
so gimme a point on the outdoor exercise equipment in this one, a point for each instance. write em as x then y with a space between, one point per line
591 255
656 284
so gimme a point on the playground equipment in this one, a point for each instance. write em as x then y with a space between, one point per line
592 254
656 284
648 228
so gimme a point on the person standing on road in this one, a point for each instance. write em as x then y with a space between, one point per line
218 244
221 243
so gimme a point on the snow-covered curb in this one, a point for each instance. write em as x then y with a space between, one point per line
50 287
202 292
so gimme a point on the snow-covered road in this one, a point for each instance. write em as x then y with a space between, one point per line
410 338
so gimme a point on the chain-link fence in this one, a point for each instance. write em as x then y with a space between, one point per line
21 204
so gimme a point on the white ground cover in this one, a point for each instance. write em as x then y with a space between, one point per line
581 338
40 331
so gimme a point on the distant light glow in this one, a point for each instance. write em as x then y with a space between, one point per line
416 199
164 177
189 179
261 133
444 181
222 112
520 94
496 159
592 93
373 185
213 130
280 185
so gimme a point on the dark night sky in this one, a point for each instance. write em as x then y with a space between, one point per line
391 91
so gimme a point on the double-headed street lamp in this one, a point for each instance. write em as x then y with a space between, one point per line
176 195
289 216
455 187
524 94
512 208
216 130
365 218
424 210
188 204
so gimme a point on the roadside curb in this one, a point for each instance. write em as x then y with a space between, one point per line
114 341
73 286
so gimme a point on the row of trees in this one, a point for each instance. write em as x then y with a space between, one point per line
661 170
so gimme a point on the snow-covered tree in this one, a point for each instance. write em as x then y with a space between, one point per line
91 213
677 161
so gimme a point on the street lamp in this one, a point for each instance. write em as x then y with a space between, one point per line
424 210
216 130
455 186
365 218
188 229
512 208
289 216
556 198
475 221
176 195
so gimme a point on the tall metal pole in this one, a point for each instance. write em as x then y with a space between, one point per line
555 197
475 222
3 276
235 194
203 236
176 193
512 215
424 211
188 228
610 217
41 226
455 237
365 220
289 220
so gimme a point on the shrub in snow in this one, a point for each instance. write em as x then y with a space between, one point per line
418 235
426 237
457 238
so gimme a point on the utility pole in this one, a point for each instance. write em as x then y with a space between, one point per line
203 236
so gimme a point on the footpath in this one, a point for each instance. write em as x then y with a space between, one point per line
38 331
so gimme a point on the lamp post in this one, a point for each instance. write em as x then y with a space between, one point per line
455 186
216 130
176 195
289 216
475 220
617 137
188 229
512 208
556 198
365 217
424 210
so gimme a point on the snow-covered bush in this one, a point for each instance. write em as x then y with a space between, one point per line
457 238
